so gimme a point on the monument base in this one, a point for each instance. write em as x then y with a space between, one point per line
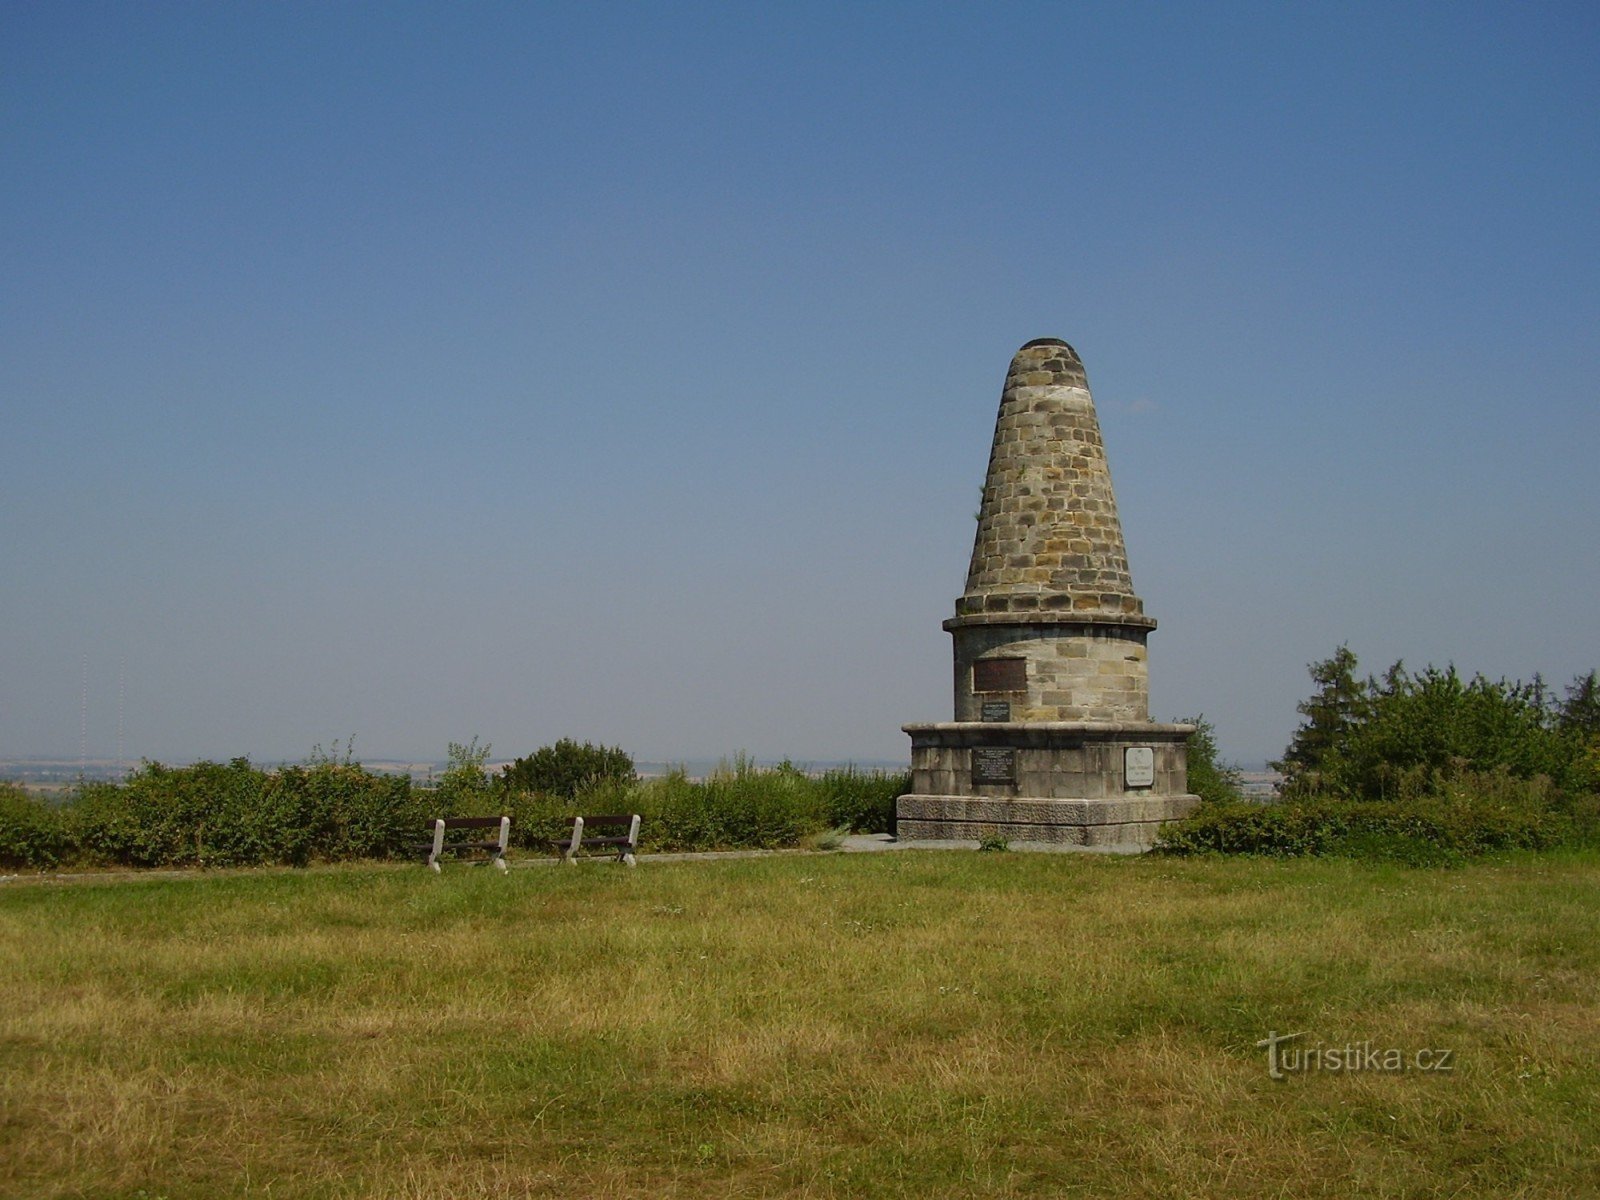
1033 819
1083 783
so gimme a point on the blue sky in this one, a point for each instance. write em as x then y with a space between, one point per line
627 371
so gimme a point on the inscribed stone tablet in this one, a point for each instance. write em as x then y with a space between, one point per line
996 710
994 764
1139 767
1000 675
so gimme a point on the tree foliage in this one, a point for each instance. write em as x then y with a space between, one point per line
465 786
1339 704
1374 738
1214 781
567 768
1580 715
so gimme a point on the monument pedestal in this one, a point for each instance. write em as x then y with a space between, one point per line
1083 783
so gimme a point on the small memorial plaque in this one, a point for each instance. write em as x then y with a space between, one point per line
1000 675
994 764
1139 767
997 710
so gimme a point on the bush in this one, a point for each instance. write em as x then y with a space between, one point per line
1474 814
567 769
465 789
210 814
31 831
162 816
355 814
740 806
1369 738
1215 782
862 801
236 814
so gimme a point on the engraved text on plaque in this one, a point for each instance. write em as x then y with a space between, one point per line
994 764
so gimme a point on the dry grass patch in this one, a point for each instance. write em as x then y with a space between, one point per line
906 1025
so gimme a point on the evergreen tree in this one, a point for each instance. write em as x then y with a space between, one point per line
1580 715
1340 702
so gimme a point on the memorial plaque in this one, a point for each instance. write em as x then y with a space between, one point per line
994 764
1000 675
997 710
1139 767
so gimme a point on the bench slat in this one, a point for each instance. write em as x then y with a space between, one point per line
470 822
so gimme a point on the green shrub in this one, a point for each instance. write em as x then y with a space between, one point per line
216 815
465 789
567 769
1369 738
862 801
236 814
171 816
740 806
1477 814
356 814
537 818
1214 781
32 833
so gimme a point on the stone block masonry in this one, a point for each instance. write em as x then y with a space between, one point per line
1048 540
1052 738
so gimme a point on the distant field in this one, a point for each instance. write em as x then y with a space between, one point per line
907 1024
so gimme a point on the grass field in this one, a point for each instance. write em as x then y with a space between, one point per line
909 1024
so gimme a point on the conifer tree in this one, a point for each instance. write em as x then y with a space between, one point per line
1580 714
1332 711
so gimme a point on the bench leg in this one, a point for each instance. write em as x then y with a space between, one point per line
438 843
628 858
500 862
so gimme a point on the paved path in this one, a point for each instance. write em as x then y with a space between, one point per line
855 843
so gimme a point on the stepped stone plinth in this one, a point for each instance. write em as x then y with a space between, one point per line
1052 739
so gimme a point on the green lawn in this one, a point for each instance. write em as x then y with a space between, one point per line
908 1024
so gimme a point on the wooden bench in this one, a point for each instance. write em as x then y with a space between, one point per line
585 837
439 846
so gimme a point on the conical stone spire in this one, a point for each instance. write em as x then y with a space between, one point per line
1049 628
1048 537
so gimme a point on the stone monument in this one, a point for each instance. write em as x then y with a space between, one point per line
1052 739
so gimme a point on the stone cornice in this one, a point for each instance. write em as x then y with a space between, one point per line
1061 618
1020 733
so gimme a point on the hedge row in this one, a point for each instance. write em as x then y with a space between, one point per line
738 807
237 814
1475 814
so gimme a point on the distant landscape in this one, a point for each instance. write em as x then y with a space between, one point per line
44 773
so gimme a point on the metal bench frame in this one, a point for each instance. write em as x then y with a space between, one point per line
623 845
497 848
